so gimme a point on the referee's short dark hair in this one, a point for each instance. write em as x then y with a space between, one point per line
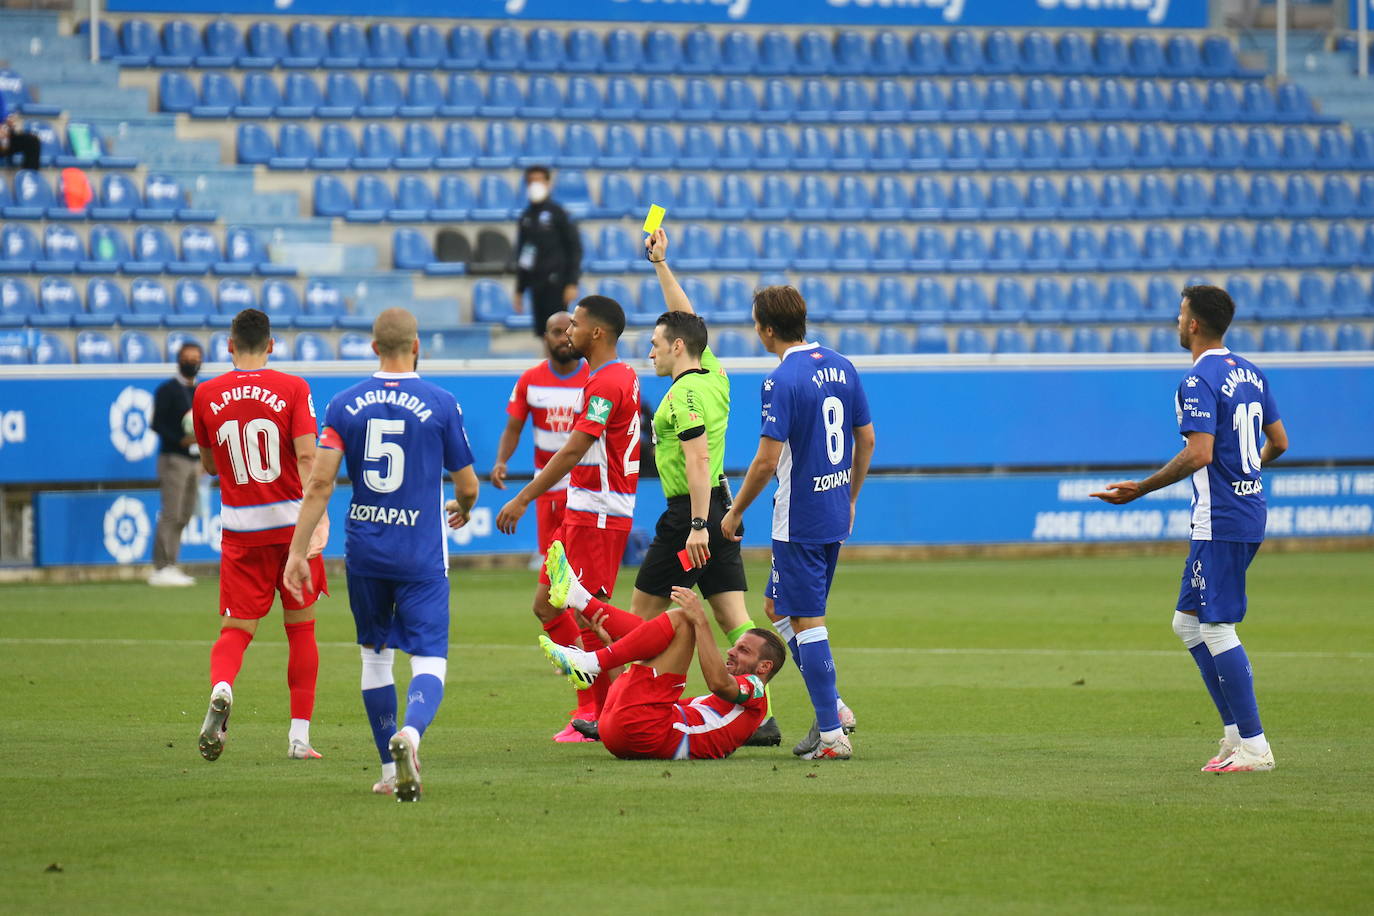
606 312
686 327
251 330
1211 306
783 309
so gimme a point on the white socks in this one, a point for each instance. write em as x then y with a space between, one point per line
300 731
414 735
377 668
578 596
223 687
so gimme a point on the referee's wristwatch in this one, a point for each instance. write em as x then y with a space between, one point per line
698 524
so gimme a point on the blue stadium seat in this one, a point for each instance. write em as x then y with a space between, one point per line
969 303
889 199
105 303
700 52
59 304
1119 250
1008 304
49 349
463 50
660 53
1366 255
1190 196
852 251
1079 200
1041 201
323 307
1048 340
1242 292
233 296
693 248
931 339
775 55
734 250
1010 340
971 340
1256 104
854 342
1314 296
892 341
1151 148
1036 55
1350 337
1085 340
382 97
1083 253
1047 302
462 97
1162 340
175 93
410 250
1264 199
1348 298
1121 303
192 305
1073 56
1046 251
1075 149
138 43
1276 339
219 97
306 46
356 346
1296 150
371 201
1276 300
253 146
331 197
149 305
260 99
736 199
63 249
1217 59
1333 150
18 306
181 45
931 251
1292 105
93 347
852 301
138 347
414 201
1228 198
495 200
1238 339
502 100
107 41
386 46
199 251
968 252
1157 251
311 347
300 97
424 48
892 304
1008 251
1304 248
18 249
347 46
776 250
1226 150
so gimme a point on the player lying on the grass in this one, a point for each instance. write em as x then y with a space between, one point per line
256 431
644 716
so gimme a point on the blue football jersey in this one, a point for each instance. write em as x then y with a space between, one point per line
811 404
1227 396
399 434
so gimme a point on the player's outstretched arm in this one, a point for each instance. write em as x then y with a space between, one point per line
318 489
510 438
761 470
1196 454
466 486
718 680
1275 442
657 247
562 462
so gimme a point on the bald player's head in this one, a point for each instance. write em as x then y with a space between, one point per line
556 342
395 332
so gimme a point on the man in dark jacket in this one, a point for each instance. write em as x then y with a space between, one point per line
16 142
177 466
548 251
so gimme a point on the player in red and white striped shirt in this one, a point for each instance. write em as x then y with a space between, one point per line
548 396
256 430
602 454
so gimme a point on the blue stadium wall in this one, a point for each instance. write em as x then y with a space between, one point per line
961 458
1119 14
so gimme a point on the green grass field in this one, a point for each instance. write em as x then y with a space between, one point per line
1029 740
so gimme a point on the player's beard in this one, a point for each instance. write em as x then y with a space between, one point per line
564 353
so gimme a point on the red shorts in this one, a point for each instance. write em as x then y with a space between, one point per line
549 512
641 709
250 577
595 555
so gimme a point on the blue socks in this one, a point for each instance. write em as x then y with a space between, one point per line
1208 668
818 671
380 703
1238 687
422 701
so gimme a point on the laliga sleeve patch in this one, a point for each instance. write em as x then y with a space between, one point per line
599 409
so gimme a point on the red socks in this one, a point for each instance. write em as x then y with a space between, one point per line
302 667
614 621
647 640
563 629
226 656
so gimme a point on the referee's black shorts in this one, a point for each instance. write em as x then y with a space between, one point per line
662 569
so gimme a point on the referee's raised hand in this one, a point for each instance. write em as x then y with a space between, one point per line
656 246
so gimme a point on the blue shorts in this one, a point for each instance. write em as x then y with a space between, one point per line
410 616
799 581
1214 580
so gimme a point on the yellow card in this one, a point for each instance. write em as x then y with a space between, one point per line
654 219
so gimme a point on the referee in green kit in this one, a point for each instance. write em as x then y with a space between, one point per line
689 432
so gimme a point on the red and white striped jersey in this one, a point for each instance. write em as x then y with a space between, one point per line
716 728
551 401
248 421
601 493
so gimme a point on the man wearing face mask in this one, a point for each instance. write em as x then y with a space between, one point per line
178 465
548 251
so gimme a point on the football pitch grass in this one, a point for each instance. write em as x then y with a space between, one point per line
1030 733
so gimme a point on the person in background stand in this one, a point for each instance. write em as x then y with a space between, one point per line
548 252
178 467
16 142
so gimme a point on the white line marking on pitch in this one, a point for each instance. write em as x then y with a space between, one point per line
893 650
